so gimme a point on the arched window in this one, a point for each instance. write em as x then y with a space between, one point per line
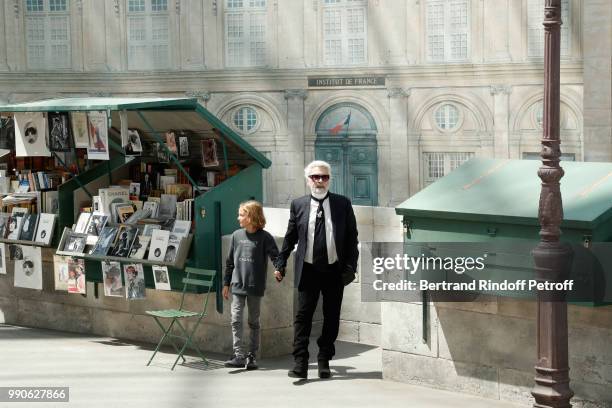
447 117
245 119
245 33
344 32
47 27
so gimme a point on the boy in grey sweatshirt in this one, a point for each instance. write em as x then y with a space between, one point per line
245 278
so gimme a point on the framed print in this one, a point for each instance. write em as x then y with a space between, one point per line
209 153
59 132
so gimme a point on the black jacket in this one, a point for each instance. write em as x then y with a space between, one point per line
345 234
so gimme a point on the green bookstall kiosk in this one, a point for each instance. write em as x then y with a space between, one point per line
238 165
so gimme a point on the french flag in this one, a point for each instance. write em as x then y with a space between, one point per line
340 125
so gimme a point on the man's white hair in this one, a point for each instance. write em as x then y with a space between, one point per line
317 163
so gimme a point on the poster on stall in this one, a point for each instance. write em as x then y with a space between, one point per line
98 136
31 134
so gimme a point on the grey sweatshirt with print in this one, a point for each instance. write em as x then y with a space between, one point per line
247 261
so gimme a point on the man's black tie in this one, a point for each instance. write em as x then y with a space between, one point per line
319 248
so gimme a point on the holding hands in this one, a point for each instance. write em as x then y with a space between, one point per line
278 276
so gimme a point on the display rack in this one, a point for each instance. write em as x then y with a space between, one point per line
179 263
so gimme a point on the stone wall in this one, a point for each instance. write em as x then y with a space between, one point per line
117 317
488 348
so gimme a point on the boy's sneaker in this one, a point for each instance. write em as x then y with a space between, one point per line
251 362
235 361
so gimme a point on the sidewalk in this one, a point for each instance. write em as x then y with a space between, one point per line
106 372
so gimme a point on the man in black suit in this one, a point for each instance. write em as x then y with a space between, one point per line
323 226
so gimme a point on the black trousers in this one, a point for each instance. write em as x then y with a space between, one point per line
316 280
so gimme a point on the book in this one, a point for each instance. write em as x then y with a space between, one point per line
165 181
13 228
174 241
76 275
135 190
111 276
149 228
160 275
137 216
82 221
125 238
153 206
3 223
28 269
105 241
159 244
181 228
140 246
133 275
44 232
28 229
75 242
124 212
2 259
97 221
50 201
167 206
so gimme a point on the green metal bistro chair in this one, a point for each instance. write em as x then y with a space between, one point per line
205 279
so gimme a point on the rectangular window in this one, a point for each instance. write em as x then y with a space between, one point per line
439 164
447 30
535 29
344 32
47 28
148 23
245 33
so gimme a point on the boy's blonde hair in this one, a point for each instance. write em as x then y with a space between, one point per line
254 210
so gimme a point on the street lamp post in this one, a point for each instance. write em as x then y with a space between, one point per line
552 259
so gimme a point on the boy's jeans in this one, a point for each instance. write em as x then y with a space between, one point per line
254 305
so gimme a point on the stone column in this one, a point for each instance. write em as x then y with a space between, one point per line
501 115
398 138
295 146
597 65
3 41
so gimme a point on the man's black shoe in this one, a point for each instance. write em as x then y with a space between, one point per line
324 371
299 372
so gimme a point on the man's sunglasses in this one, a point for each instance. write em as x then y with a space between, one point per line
319 177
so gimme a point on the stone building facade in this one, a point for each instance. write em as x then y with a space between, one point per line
428 83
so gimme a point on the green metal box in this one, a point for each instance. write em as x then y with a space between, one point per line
496 202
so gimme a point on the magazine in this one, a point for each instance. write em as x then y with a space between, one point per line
28 270
160 275
134 281
76 275
111 276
